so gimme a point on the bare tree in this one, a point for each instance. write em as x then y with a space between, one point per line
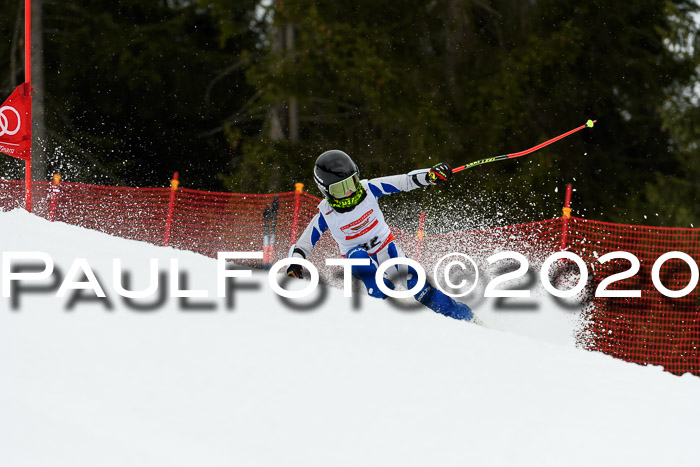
14 47
39 92
284 117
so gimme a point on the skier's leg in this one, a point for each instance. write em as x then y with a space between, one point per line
429 295
367 273
437 301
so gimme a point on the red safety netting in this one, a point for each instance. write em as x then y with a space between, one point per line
208 222
651 329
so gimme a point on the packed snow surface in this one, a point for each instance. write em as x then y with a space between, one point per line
258 383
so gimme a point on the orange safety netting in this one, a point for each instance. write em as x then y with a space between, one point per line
651 329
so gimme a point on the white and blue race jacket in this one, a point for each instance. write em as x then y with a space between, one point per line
362 226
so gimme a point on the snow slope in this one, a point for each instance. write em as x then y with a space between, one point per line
262 384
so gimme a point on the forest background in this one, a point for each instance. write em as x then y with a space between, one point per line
243 95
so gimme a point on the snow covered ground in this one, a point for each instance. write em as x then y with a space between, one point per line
257 383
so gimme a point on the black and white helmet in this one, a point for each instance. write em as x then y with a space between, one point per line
338 178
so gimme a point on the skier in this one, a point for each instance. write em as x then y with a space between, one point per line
351 212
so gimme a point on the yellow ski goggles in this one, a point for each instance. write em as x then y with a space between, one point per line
344 188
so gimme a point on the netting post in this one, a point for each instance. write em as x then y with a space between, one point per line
174 184
269 232
566 214
28 185
55 182
28 91
420 233
298 189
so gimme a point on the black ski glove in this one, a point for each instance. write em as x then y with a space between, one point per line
295 270
439 173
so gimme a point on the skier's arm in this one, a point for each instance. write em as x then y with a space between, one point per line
302 248
381 186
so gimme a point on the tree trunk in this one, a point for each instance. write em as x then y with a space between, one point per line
284 117
12 82
39 91
455 26
293 109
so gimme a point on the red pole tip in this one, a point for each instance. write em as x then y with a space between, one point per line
567 196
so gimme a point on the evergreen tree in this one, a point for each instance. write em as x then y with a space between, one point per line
254 91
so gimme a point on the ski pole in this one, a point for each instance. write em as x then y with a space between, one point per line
588 124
